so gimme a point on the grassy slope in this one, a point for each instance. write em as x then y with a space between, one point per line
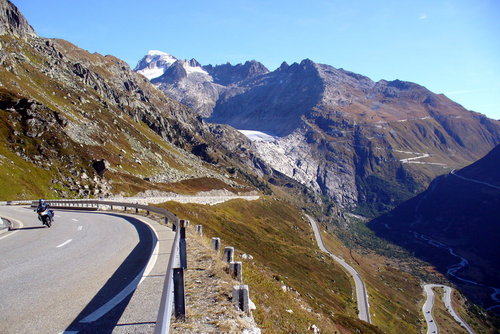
394 296
445 322
397 295
285 253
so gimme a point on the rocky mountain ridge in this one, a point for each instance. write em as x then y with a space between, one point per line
192 84
359 142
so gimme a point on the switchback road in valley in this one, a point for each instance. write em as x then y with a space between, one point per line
82 274
432 327
361 294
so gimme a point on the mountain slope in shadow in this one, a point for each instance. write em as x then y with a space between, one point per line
455 225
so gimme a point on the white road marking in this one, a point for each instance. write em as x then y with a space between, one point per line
80 228
75 220
65 243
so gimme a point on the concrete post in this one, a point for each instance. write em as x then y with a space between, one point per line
199 229
165 220
241 297
216 244
228 254
236 271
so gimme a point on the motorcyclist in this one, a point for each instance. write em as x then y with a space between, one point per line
42 206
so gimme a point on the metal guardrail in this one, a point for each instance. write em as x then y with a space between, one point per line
177 254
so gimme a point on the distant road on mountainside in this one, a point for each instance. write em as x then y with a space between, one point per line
361 294
89 272
432 326
475 181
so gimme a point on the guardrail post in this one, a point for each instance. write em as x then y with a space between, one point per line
111 207
182 245
179 297
199 229
228 254
241 297
136 210
216 244
236 271
125 208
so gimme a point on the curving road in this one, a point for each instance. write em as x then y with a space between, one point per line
80 275
361 295
429 304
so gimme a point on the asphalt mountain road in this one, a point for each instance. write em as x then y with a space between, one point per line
361 294
432 327
63 278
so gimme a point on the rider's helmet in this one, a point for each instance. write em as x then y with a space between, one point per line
41 202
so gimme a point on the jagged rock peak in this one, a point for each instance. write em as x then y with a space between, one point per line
307 62
12 22
284 65
227 74
194 63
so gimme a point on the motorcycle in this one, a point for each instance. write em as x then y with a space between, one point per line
46 216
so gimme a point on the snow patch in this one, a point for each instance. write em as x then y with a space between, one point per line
152 73
193 69
257 135
158 53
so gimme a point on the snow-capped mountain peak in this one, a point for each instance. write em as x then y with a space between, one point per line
158 53
154 64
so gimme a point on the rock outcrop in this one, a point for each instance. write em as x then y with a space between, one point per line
12 21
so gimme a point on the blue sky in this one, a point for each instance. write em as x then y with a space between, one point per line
451 47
